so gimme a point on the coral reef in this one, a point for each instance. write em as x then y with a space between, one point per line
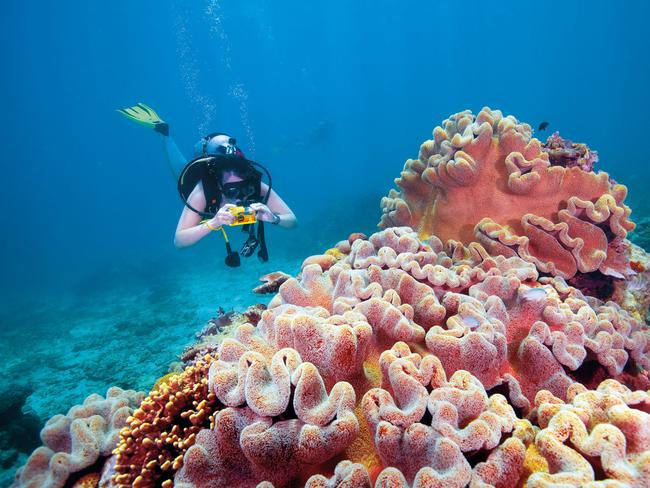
496 337
78 440
401 362
409 363
485 178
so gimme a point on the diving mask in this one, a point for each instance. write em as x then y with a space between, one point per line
240 191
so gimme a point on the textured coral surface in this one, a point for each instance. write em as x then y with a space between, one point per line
485 178
406 364
401 362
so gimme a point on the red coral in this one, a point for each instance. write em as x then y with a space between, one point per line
484 178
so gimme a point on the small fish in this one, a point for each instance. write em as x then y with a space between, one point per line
543 126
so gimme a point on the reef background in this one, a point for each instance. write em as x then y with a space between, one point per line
332 98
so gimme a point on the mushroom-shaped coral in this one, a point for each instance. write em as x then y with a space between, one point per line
462 417
78 440
604 433
485 178
279 414
446 348
492 316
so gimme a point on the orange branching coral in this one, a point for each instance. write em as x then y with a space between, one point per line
485 178
78 440
408 363
160 431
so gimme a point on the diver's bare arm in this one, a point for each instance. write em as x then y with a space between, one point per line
189 229
277 206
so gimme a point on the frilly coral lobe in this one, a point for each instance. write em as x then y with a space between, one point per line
485 178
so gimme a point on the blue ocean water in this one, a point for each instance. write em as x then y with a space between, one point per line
332 97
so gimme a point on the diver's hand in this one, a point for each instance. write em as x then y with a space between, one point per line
263 213
223 217
161 128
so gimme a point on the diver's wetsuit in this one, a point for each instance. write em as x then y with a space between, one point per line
174 155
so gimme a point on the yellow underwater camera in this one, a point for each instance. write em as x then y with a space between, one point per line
242 215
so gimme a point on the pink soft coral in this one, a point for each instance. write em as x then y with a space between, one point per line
412 360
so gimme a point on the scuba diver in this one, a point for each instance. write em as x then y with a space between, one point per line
220 187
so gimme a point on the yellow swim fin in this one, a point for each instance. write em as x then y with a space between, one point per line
142 114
